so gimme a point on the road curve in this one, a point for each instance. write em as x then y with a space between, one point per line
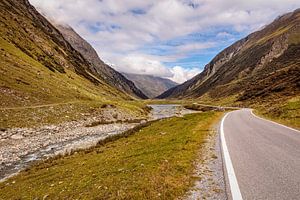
265 156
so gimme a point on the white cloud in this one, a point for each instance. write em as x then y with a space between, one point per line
142 64
181 74
195 46
224 34
120 30
145 64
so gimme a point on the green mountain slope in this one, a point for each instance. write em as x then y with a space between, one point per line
261 71
258 61
39 67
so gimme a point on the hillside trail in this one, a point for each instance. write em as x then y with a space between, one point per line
38 106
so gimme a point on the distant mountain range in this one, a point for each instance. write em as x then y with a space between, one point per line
151 86
45 64
264 65
97 66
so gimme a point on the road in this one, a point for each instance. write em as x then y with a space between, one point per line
265 157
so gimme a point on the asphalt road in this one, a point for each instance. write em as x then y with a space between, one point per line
265 157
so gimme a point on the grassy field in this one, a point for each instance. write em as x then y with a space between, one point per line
154 163
26 84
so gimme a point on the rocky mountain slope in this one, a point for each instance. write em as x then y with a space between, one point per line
108 74
263 66
42 77
152 86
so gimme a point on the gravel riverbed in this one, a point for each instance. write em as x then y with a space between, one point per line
19 147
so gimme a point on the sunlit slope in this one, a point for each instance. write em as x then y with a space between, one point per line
39 67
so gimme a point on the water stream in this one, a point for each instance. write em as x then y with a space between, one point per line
84 141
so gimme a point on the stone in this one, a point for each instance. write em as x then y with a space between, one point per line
17 137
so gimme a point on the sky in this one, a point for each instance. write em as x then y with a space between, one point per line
174 39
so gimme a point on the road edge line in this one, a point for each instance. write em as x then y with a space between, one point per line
274 122
233 183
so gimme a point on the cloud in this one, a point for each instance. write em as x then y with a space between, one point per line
142 64
194 46
181 74
145 64
223 34
154 37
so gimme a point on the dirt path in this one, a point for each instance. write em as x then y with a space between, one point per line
39 106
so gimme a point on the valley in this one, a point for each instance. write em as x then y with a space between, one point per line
74 125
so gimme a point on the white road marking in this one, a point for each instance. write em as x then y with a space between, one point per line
234 186
274 122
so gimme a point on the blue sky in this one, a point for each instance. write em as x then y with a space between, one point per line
166 38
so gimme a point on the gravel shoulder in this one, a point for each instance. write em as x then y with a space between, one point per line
210 183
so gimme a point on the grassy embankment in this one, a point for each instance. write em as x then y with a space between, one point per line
66 96
154 163
281 110
287 113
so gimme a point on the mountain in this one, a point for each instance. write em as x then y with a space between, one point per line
41 71
152 86
263 66
108 74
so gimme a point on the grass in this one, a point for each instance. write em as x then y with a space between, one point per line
274 34
36 69
283 110
287 113
154 163
25 82
294 38
59 113
224 101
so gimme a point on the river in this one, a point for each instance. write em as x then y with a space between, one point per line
19 153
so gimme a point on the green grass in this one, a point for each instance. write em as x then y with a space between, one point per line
154 163
279 109
287 113
24 82
36 70
224 101
59 113
276 33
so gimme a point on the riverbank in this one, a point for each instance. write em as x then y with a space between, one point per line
157 162
20 147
